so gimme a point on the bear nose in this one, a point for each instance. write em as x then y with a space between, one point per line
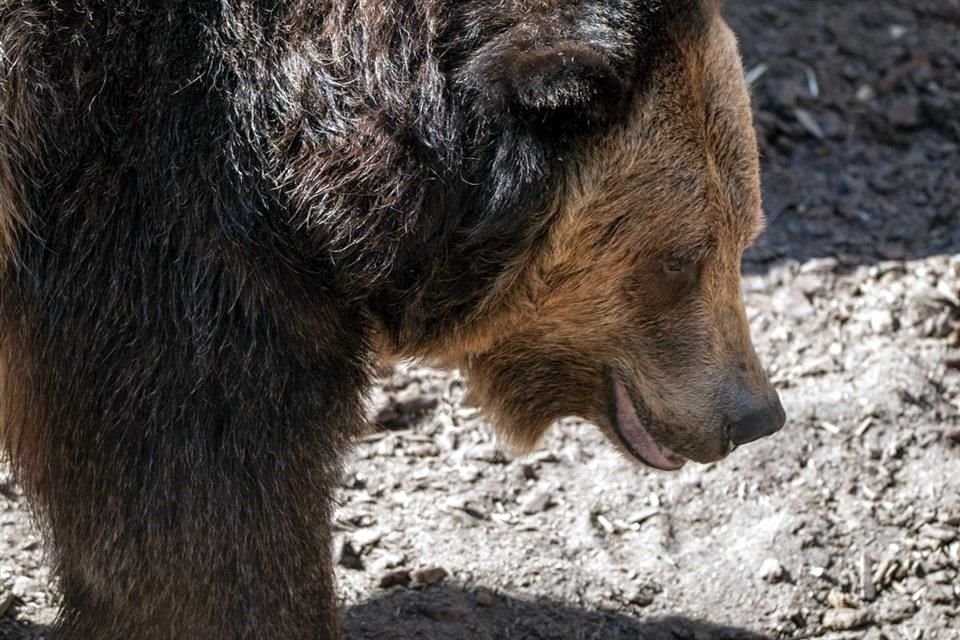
758 423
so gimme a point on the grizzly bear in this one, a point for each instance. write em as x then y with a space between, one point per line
216 217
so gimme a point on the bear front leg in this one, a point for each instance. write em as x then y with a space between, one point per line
182 455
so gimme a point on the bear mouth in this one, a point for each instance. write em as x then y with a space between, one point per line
635 437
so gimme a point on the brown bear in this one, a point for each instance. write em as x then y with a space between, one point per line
217 215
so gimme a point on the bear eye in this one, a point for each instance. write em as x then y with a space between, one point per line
681 274
674 266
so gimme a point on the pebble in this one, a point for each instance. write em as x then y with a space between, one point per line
793 303
898 610
365 539
486 598
939 594
349 556
642 598
904 113
537 502
939 533
399 578
847 619
429 576
881 321
772 571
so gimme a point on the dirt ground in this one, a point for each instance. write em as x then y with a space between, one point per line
844 525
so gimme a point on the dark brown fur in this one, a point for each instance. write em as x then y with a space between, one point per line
214 216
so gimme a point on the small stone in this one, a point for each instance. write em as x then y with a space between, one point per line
349 556
642 598
430 576
365 539
904 113
866 93
792 302
881 321
23 585
486 598
939 533
771 571
537 502
469 474
847 619
898 610
399 578
839 600
939 594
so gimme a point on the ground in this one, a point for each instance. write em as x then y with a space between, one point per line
844 525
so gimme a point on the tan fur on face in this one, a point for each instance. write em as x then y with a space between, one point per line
679 183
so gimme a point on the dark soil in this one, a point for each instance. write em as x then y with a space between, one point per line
845 525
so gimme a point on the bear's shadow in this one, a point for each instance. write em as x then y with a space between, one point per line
449 612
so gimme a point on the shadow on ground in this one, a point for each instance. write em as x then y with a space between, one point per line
858 114
12 628
449 612
452 613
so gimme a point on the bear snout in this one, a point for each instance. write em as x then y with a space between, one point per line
758 421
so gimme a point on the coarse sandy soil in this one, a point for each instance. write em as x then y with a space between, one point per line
844 525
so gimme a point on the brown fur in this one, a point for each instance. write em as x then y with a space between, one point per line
213 213
18 115
680 181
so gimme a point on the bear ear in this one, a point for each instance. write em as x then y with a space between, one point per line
566 81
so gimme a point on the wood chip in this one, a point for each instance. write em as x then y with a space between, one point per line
807 121
829 426
868 590
606 524
6 601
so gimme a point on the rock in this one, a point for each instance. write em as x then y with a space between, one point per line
939 533
485 598
865 93
365 539
791 302
537 502
349 556
847 619
881 321
399 578
897 610
904 113
429 576
840 600
939 594
771 571
642 598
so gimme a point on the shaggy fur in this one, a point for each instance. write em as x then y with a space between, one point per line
214 216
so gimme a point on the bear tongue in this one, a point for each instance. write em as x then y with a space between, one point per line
636 436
